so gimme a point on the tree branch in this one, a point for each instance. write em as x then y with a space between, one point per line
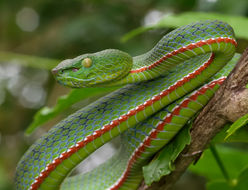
228 104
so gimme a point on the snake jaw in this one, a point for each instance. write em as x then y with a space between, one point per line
75 82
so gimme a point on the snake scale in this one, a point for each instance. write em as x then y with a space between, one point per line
163 89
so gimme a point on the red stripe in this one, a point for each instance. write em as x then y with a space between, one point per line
160 127
186 48
50 167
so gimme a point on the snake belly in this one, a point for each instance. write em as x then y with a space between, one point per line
146 114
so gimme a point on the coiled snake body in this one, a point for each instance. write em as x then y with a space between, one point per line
170 83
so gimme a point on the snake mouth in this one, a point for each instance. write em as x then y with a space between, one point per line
75 82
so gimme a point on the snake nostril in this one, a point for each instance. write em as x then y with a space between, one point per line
75 69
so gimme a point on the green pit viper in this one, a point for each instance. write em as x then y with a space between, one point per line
164 88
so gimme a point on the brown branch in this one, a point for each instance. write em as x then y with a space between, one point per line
228 104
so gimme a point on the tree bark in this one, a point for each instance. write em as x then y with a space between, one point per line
228 104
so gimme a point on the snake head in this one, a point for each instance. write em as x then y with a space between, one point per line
96 69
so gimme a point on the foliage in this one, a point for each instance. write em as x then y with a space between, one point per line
241 122
240 136
235 159
239 24
240 183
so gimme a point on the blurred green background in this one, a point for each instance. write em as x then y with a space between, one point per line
64 29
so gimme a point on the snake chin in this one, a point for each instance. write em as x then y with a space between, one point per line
75 82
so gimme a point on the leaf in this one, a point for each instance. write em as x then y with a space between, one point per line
136 32
219 185
235 159
240 135
237 184
239 23
28 60
242 180
241 122
163 164
45 114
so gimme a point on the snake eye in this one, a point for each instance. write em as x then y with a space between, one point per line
87 62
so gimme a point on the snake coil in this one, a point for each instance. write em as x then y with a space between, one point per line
187 67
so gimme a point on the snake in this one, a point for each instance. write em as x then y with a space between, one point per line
160 91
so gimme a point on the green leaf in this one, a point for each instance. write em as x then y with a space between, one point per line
235 159
45 114
219 185
28 60
163 164
136 32
239 23
240 135
237 184
242 181
241 122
